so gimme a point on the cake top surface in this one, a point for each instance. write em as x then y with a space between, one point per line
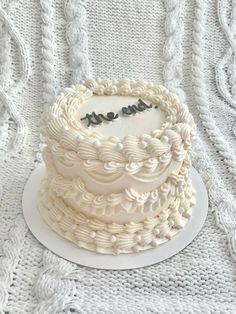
120 115
121 121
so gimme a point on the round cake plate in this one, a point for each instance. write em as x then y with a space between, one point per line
71 252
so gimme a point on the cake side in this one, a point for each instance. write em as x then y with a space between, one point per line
129 204
113 238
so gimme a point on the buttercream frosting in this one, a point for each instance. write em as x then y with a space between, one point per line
117 192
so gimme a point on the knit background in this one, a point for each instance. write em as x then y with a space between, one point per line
190 47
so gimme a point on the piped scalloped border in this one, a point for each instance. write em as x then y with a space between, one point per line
59 123
107 204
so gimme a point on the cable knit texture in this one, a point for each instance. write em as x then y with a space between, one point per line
200 91
47 51
62 295
226 66
189 46
173 53
21 127
228 59
77 38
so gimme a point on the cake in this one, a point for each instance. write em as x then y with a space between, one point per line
117 160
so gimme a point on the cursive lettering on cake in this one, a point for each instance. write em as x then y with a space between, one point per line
96 119
133 109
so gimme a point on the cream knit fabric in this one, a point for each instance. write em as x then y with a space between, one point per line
190 46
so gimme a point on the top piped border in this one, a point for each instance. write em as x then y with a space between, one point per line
59 126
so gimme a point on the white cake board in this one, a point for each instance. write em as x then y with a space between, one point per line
71 252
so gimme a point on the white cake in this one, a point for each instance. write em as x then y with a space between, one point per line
122 185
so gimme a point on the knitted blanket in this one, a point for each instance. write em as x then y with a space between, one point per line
190 47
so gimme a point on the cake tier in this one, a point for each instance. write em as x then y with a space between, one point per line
64 133
120 207
112 177
113 238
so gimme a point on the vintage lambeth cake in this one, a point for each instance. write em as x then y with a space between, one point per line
117 160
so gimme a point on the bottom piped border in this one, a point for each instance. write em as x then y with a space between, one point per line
95 235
